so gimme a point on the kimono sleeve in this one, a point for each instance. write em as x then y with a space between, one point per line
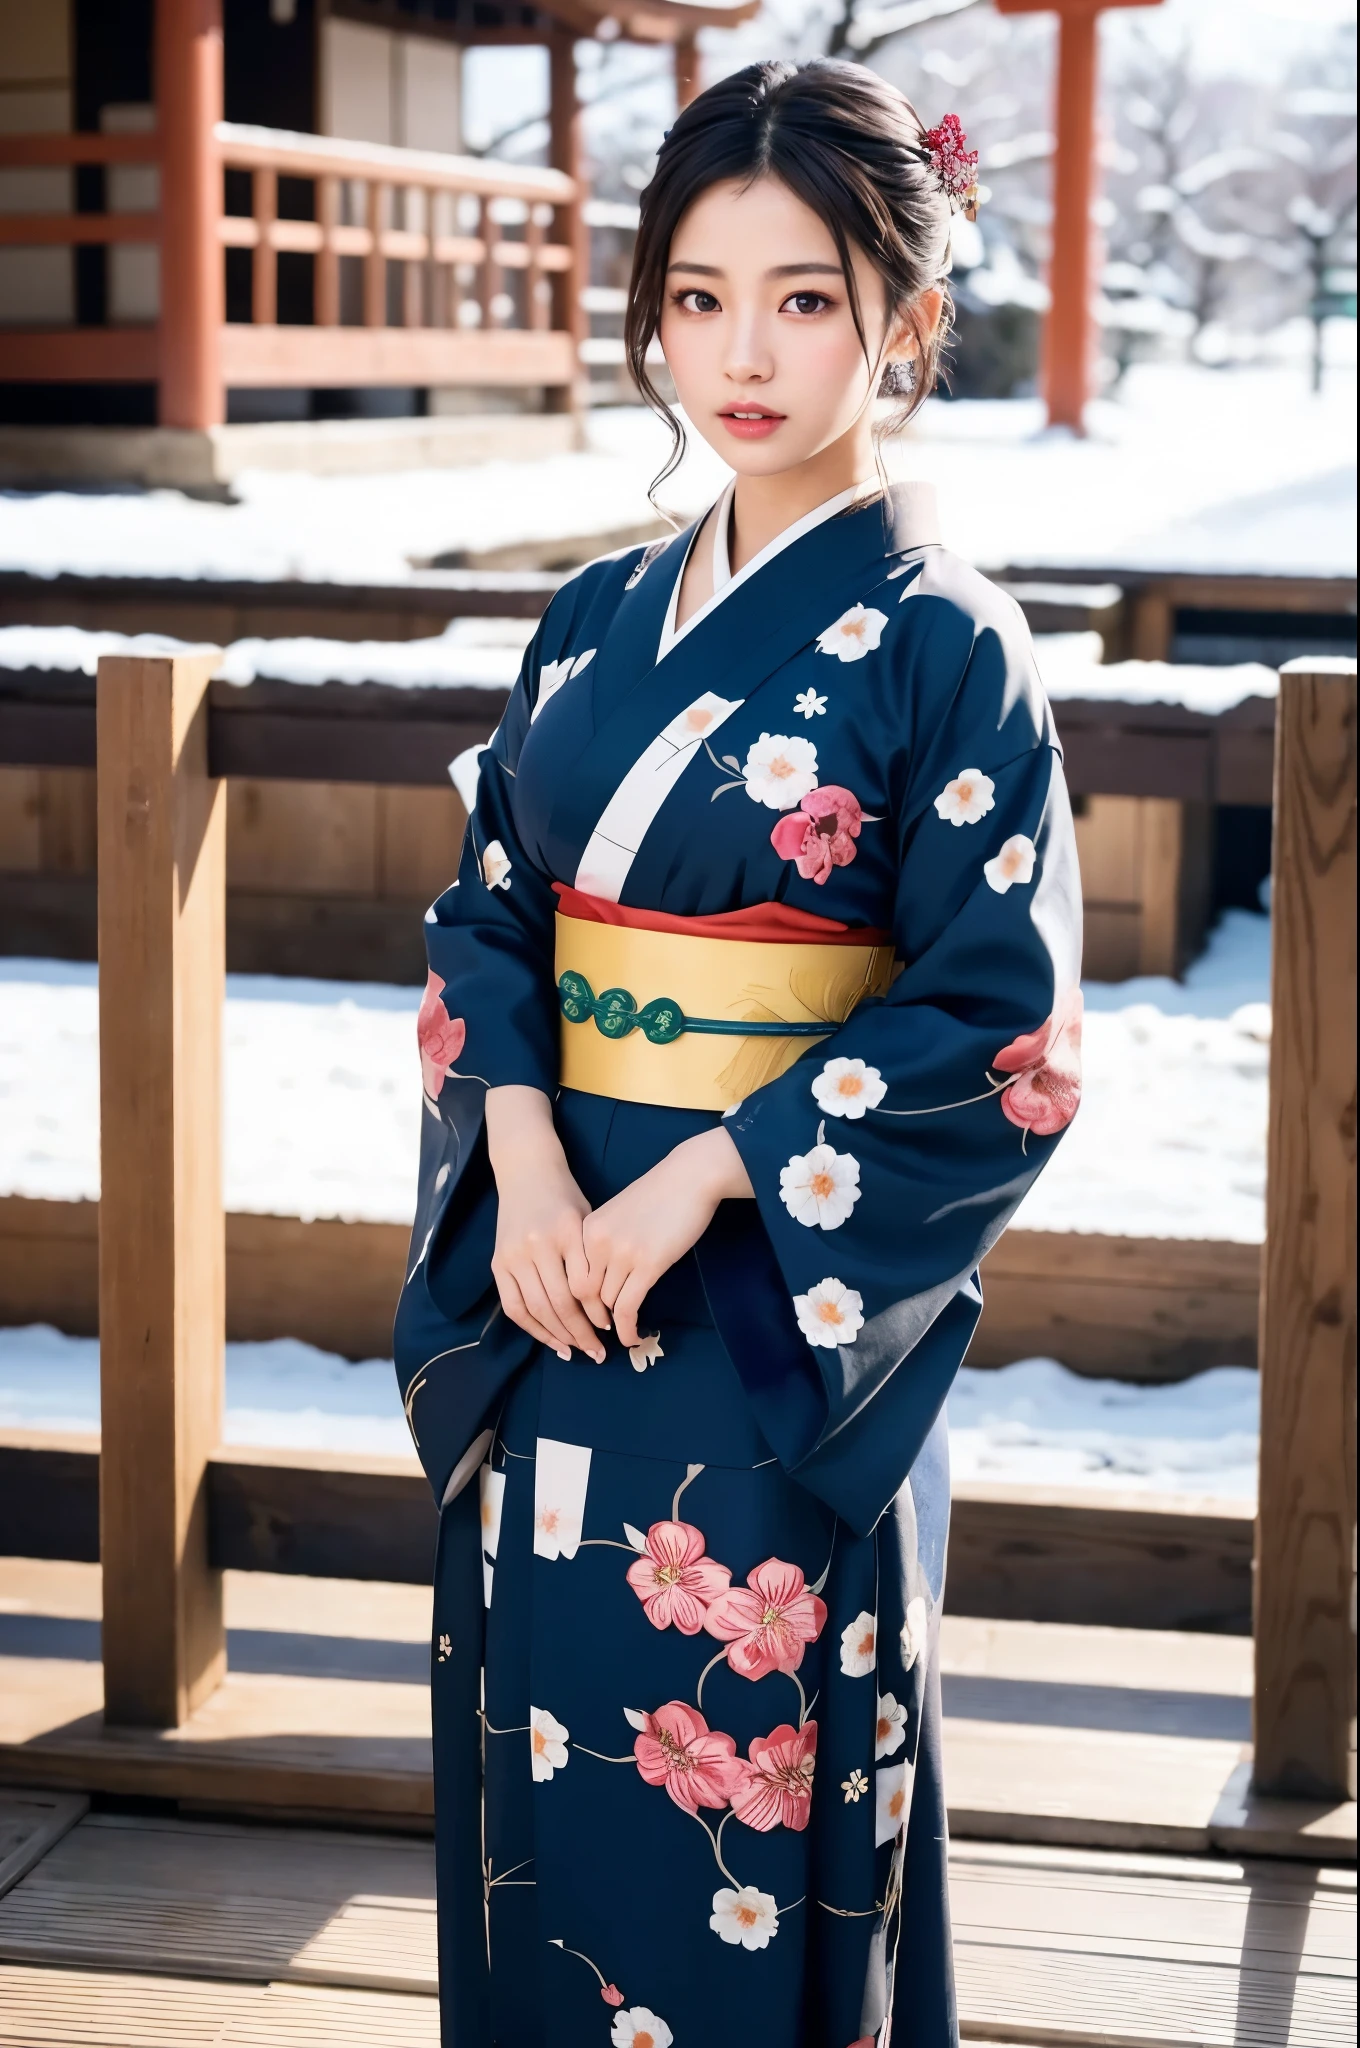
488 1018
887 1161
489 938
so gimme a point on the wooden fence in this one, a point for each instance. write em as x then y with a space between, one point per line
163 1252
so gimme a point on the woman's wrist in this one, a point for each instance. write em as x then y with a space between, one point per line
720 1165
520 1133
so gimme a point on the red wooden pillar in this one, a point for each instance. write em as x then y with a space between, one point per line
188 108
687 72
566 152
1069 331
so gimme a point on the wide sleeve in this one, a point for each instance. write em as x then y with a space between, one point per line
886 1162
488 1019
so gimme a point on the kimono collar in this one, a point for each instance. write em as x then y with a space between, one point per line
920 519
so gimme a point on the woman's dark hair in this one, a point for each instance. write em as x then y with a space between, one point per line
846 143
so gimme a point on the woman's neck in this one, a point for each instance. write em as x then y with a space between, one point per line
763 507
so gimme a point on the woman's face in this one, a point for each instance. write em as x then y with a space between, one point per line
757 330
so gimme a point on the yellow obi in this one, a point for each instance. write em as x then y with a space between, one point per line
690 1022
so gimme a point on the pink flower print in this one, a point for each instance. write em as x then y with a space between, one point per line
1046 1092
677 1749
767 1622
776 1785
674 1580
611 1994
441 1038
821 833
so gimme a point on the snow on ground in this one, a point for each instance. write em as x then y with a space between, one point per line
1071 666
1035 1422
1234 469
322 1100
470 653
485 654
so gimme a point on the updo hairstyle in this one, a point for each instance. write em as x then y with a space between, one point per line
846 143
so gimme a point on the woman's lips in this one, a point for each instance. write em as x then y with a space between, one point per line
751 422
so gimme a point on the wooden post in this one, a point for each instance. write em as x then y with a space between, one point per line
264 297
566 152
375 263
162 924
327 295
1305 1539
687 74
1069 332
193 290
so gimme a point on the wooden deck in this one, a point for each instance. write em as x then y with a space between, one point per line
1074 1737
132 1930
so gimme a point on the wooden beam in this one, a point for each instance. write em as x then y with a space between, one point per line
162 908
188 107
1151 1310
507 357
1305 1582
1017 1553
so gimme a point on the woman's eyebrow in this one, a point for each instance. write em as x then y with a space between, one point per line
805 270
704 269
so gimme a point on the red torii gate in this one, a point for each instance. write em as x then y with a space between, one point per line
1067 335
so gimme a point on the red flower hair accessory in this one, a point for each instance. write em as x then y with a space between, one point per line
954 164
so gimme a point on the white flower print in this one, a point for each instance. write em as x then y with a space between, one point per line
640 2027
496 866
492 1502
748 1916
830 1313
854 1787
859 1645
891 1729
890 1803
913 1638
561 1478
847 1088
854 634
967 798
553 674
820 1187
1014 863
809 705
645 1353
780 771
547 1745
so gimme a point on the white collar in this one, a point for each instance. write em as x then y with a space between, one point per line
724 581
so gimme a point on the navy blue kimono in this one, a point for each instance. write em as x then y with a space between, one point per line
686 1705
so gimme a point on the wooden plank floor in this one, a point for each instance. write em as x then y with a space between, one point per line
133 1932
1101 1738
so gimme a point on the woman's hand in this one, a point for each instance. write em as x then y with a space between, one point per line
632 1240
539 1264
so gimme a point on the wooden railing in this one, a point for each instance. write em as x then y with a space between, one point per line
163 1255
490 259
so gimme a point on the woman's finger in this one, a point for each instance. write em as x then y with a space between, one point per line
570 1314
537 1302
512 1301
584 1288
628 1302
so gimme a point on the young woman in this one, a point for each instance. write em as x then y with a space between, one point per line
752 1015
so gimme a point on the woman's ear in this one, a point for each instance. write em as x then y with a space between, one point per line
915 325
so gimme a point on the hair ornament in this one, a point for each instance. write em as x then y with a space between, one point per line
954 165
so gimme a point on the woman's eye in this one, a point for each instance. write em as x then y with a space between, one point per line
698 302
805 303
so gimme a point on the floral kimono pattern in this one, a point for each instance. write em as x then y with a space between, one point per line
685 1690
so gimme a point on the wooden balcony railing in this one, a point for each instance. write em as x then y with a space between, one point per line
464 271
